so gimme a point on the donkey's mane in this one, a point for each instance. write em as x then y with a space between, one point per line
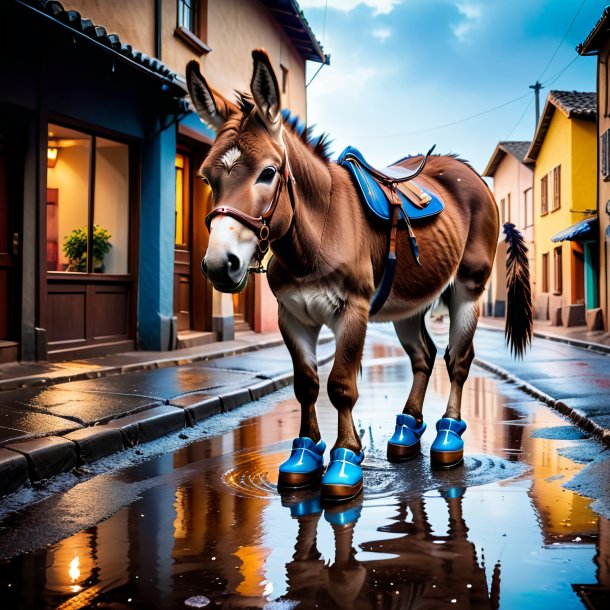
318 144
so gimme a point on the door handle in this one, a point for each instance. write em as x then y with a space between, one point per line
15 244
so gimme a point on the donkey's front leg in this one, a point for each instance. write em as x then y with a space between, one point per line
343 479
305 464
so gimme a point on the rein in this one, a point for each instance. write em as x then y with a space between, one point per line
260 224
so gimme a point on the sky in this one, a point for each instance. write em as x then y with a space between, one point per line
405 74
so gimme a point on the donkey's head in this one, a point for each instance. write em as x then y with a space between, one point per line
245 169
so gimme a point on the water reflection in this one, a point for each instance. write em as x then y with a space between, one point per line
213 525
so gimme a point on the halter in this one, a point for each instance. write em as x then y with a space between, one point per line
260 224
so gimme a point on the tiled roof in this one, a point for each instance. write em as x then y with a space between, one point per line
575 104
515 149
112 42
290 17
580 105
597 36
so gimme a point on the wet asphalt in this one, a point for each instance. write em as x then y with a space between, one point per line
198 522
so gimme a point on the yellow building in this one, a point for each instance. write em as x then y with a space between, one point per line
564 151
598 43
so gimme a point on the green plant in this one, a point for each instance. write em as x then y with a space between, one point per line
75 247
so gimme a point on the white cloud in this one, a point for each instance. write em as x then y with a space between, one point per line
471 17
382 33
382 7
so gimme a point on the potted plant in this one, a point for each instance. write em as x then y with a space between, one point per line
75 248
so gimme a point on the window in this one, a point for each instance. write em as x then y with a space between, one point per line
544 195
558 271
528 218
545 272
556 187
605 155
191 24
87 203
502 211
508 214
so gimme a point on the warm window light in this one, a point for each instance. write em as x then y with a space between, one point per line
52 153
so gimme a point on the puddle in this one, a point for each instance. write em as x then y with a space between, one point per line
204 523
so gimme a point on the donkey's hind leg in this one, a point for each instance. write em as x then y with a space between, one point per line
305 464
413 334
448 447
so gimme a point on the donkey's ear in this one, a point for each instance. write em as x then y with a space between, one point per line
212 107
265 91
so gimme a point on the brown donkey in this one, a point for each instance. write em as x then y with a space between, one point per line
272 187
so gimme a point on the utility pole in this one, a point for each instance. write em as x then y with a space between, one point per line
536 87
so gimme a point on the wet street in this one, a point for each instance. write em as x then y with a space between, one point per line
194 520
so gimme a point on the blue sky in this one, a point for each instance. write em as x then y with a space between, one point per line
402 69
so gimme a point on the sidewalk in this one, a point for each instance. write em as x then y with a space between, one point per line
55 416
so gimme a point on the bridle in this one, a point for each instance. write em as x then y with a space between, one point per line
260 224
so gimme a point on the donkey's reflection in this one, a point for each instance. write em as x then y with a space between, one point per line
417 568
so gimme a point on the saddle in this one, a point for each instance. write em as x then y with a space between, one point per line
393 196
375 188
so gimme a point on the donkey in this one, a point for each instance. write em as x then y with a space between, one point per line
273 187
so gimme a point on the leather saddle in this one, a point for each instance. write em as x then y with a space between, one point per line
392 195
375 188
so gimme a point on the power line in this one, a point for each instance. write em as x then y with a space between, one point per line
527 106
563 39
555 76
451 124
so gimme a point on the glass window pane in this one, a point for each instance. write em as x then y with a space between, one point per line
69 153
111 207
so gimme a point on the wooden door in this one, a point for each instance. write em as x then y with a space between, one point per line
183 241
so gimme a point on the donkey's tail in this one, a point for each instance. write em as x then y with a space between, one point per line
518 329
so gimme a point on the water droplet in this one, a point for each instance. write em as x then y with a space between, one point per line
197 601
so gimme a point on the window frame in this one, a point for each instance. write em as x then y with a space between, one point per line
604 166
195 35
527 221
556 203
558 270
133 198
545 272
544 195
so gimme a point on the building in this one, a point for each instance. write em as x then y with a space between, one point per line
98 146
565 208
513 182
598 43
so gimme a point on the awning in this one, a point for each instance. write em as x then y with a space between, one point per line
585 229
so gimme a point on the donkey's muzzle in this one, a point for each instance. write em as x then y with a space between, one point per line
228 274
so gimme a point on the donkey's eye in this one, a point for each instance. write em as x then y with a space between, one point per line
267 175
205 180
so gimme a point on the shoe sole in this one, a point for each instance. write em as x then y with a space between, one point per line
298 480
402 453
446 459
340 493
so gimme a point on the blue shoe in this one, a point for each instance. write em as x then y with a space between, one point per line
304 466
404 444
447 450
303 507
343 477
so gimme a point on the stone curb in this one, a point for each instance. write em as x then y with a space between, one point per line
27 461
17 383
574 415
580 343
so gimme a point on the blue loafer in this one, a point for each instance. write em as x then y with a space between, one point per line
304 466
404 443
343 477
447 450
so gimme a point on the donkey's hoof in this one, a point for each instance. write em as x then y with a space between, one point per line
447 449
343 478
304 466
404 444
